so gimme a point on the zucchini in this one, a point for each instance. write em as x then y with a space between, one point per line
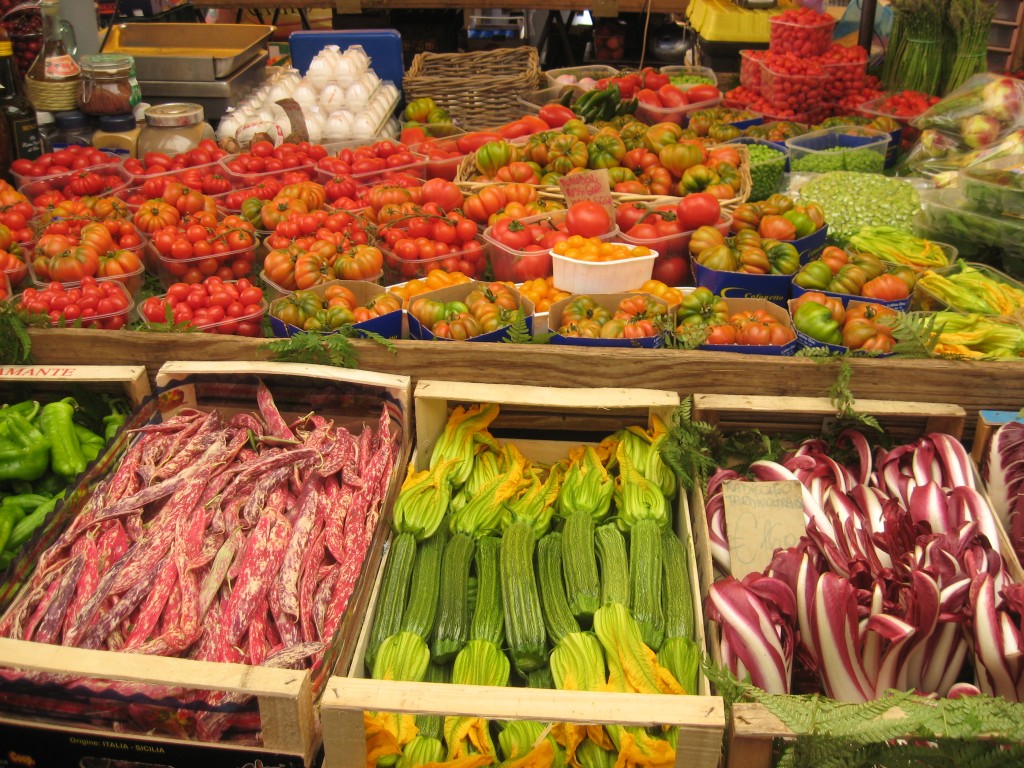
558 619
394 592
432 726
645 581
677 594
488 617
524 622
611 552
421 609
579 566
541 678
452 629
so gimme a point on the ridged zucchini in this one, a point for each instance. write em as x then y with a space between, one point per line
579 566
488 616
421 609
558 619
432 726
541 678
524 622
611 553
677 593
394 593
452 629
645 581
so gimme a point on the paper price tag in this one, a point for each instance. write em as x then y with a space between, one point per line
588 185
759 518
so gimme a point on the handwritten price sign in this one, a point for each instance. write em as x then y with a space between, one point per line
761 517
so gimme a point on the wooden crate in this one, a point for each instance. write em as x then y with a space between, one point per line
571 416
41 380
752 728
809 415
285 698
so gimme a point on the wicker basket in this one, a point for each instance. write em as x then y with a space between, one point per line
467 171
478 89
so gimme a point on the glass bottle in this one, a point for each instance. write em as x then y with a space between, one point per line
19 117
53 79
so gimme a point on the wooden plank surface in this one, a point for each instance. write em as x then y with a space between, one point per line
969 384
751 732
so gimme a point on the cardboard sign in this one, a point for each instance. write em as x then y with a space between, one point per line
759 518
588 185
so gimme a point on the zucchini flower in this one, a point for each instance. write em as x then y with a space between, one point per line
517 740
644 448
465 430
486 466
403 656
423 500
422 750
480 662
976 336
636 497
536 504
586 485
483 514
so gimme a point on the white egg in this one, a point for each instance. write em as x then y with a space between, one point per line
338 125
228 126
363 126
370 79
305 95
358 55
388 91
280 90
332 97
314 126
319 73
357 94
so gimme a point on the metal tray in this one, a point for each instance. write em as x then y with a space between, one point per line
187 52
216 97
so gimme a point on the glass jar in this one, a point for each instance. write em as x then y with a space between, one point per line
72 128
108 85
173 129
118 134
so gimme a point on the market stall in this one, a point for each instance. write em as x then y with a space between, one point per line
624 396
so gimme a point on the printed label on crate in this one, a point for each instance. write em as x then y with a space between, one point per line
760 518
38 372
588 185
32 746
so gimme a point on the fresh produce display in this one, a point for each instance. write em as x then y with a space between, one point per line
877 520
705 310
904 105
995 187
1002 469
105 249
974 336
16 210
519 249
334 307
260 602
894 245
842 148
483 514
263 159
859 326
45 446
579 248
154 163
801 31
483 310
779 217
767 167
228 307
415 244
60 163
434 279
970 288
380 162
191 252
847 274
310 261
542 292
852 201
634 317
105 305
979 121
745 252
425 111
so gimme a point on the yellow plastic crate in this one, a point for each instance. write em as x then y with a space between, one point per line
722 21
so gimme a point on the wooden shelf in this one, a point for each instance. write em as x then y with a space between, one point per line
1004 32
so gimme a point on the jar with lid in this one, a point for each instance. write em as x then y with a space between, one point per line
108 85
72 128
173 129
118 134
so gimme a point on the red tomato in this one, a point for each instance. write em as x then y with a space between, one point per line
588 219
671 97
698 209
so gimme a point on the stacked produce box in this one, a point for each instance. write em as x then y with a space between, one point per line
803 75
